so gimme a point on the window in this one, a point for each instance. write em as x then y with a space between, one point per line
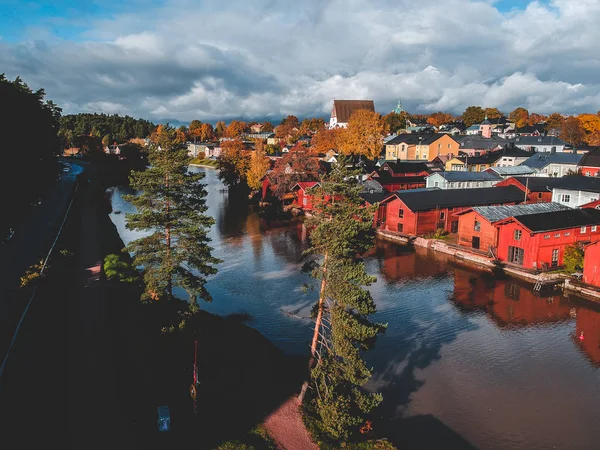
436 184
517 235
555 257
442 215
477 226
539 195
400 228
400 213
449 146
557 235
304 201
565 198
546 236
567 233
594 228
583 229
588 174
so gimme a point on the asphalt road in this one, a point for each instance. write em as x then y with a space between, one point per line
29 244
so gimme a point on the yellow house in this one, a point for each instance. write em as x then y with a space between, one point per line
471 164
422 147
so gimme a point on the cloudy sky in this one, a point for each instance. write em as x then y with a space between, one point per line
222 59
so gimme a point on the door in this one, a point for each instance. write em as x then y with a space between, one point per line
555 257
454 227
475 242
516 255
382 215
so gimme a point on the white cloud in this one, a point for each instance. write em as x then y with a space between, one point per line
262 58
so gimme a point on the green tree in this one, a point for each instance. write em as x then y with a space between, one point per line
394 121
473 115
573 258
171 204
106 141
343 231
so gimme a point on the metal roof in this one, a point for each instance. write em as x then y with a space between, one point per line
468 176
496 213
512 170
541 160
560 220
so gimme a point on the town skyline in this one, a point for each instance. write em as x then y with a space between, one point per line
181 60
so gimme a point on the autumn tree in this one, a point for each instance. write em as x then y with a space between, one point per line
171 205
519 116
287 128
297 165
591 126
571 131
473 115
267 127
259 164
235 129
393 121
194 129
311 126
493 113
342 233
206 132
220 129
555 120
535 118
233 163
439 118
326 139
363 136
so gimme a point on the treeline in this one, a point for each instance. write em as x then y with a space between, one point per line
30 125
108 128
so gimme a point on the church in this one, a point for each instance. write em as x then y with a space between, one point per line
343 109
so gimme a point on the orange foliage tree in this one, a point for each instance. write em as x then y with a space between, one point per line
364 135
493 113
297 165
207 132
325 140
235 128
591 126
233 163
555 120
519 116
536 118
439 118
572 131
194 130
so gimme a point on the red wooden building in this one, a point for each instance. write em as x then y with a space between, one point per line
477 226
590 164
595 204
538 241
396 176
538 189
304 198
423 211
591 264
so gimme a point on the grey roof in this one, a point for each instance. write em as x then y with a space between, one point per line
477 141
579 183
496 213
372 185
538 140
512 170
560 220
541 160
469 176
415 138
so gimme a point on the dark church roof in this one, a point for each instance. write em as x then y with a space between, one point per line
345 108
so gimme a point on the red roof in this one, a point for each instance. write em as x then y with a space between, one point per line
304 185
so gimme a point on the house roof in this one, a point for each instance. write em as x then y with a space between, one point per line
538 184
369 185
540 128
407 166
416 138
304 185
384 177
591 158
579 183
468 176
478 142
512 170
345 108
427 199
538 140
559 220
541 160
496 213
374 198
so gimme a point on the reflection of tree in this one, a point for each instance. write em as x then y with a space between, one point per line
254 233
231 222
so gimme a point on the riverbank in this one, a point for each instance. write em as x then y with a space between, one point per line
481 261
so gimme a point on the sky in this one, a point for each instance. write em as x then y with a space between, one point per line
179 60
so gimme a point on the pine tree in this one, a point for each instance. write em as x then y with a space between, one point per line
343 231
171 204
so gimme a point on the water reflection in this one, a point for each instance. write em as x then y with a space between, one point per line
467 360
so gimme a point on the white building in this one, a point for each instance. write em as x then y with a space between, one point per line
548 144
343 109
574 191
461 180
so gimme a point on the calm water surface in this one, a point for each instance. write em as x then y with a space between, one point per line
481 363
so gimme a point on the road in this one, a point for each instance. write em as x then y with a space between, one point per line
29 244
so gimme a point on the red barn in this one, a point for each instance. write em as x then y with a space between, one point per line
591 264
589 165
595 205
477 226
423 211
303 195
538 241
538 189
396 176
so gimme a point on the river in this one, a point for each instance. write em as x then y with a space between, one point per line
467 361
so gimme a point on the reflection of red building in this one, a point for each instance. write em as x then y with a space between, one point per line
587 333
400 262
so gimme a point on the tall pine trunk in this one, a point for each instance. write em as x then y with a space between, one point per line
318 322
168 242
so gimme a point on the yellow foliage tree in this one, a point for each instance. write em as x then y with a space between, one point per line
259 164
591 126
364 135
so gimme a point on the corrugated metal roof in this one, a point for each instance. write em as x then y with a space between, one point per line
512 170
496 213
469 176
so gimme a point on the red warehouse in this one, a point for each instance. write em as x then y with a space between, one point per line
303 195
477 226
591 264
395 176
589 165
538 241
423 211
538 189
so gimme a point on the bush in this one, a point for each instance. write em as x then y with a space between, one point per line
116 268
573 258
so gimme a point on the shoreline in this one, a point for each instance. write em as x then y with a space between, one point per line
203 165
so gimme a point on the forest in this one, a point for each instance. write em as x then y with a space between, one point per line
109 128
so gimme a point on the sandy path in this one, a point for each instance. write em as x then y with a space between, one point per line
287 429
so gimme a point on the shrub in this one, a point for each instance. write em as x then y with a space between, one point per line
573 258
116 268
